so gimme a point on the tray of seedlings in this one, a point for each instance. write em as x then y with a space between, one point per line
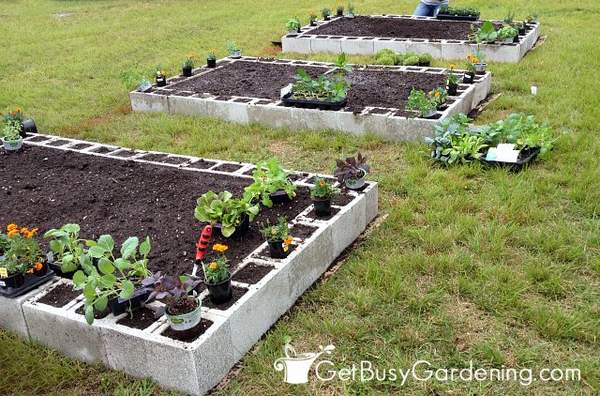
324 92
458 13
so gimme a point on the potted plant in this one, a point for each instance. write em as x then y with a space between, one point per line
479 62
235 52
278 238
293 25
21 256
421 103
160 77
188 66
324 92
507 34
217 276
11 136
183 309
322 194
116 283
271 184
458 13
211 60
229 215
439 96
312 18
27 125
454 142
339 11
352 171
66 250
452 81
425 59
326 13
486 33
350 13
521 27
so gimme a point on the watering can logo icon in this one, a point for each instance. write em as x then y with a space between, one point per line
297 365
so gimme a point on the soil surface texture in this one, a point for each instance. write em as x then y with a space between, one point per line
60 296
46 188
252 273
366 26
138 319
243 78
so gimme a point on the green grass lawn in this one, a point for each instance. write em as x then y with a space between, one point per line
470 264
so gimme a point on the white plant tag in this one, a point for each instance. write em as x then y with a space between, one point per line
507 153
286 90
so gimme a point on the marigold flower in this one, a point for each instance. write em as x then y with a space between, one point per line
11 227
452 66
13 233
219 247
213 266
38 266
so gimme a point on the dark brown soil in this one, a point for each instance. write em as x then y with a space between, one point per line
313 214
97 315
188 335
227 167
238 292
183 306
46 188
60 296
342 199
302 231
139 319
385 88
366 26
202 164
243 78
252 273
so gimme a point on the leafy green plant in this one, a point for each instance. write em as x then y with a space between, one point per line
452 77
325 13
459 11
269 177
439 96
279 231
425 59
189 61
211 56
507 32
454 142
341 65
420 102
4 243
217 270
386 57
66 246
22 252
323 190
293 24
223 208
14 115
521 130
322 89
116 275
339 10
233 48
312 17
412 60
11 131
486 33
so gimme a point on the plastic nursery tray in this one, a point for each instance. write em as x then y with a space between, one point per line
525 157
31 282
450 17
312 104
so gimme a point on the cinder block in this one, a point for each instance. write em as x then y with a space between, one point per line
456 50
395 45
371 202
410 129
295 44
11 311
188 105
357 47
435 49
148 102
227 110
352 220
325 45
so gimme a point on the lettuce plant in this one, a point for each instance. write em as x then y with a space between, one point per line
66 246
269 177
223 208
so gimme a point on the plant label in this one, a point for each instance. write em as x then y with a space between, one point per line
286 90
3 273
503 153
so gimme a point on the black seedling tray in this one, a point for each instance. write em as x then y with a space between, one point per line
450 17
31 282
525 157
313 104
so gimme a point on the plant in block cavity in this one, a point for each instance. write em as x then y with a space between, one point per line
341 66
11 136
116 281
326 13
293 25
229 215
452 80
211 59
160 76
507 34
188 65
182 308
271 183
66 249
217 276
486 33
339 11
312 18
420 102
322 194
235 52
21 256
352 171
278 238
439 96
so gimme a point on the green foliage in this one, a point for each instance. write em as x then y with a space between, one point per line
323 190
507 32
279 231
425 59
269 176
386 57
522 130
133 78
459 11
232 47
293 24
66 246
189 62
341 64
453 141
11 131
486 33
412 60
438 95
211 56
4 243
21 253
223 208
334 89
115 275
216 271
420 102
325 12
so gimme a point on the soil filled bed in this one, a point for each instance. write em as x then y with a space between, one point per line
384 88
366 26
59 296
252 79
46 188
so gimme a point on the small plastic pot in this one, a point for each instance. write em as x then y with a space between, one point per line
211 63
508 40
480 68
161 81
276 249
356 184
56 268
28 126
118 306
469 77
221 292
429 114
322 207
240 230
235 54
14 281
522 30
279 196
186 71
12 145
339 13
453 89
313 23
186 321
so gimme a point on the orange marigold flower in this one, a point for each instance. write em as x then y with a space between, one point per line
13 233
219 247
38 266
11 227
213 266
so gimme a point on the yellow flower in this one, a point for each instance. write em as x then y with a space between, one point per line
218 247
286 243
11 227
13 233
452 66
213 266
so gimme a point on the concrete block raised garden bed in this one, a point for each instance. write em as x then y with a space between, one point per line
366 35
122 192
248 90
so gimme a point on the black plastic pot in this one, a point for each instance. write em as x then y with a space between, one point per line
452 89
211 63
43 271
118 306
326 18
468 78
14 281
516 39
28 126
279 196
161 81
276 249
522 31
425 64
313 104
339 13
322 207
186 71
313 23
240 230
56 268
221 292
451 17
